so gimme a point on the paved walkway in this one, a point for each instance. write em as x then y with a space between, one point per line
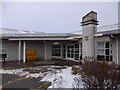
14 81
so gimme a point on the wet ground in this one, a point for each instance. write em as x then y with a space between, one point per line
16 64
14 81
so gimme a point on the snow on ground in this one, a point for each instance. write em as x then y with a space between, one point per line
59 78
64 79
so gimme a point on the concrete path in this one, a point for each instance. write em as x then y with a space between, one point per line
16 82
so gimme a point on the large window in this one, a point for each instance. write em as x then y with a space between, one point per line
56 50
78 51
104 50
69 51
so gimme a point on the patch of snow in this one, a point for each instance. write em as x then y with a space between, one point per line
11 71
63 79
59 78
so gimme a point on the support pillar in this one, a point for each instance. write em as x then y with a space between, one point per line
19 51
45 57
118 50
48 50
24 51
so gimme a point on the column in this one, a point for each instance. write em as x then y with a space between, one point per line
45 50
48 50
24 51
118 51
19 51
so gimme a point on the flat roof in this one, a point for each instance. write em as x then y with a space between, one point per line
13 34
113 32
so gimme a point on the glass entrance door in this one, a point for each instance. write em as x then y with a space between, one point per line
70 52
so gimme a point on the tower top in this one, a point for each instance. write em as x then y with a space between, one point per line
90 18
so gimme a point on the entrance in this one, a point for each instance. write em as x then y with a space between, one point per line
70 52
74 51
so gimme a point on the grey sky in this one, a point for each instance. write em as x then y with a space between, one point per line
55 17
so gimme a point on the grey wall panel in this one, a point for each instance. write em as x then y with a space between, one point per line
114 50
12 50
119 50
38 46
48 50
104 38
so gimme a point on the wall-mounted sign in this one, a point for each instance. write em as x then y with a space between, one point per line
86 38
56 43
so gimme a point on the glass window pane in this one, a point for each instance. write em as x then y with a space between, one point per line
100 45
80 45
68 55
3 46
56 46
71 55
63 50
107 45
100 57
77 50
107 58
3 51
111 45
63 46
80 56
76 45
111 58
100 51
56 50
81 51
111 52
76 56
0 51
63 55
107 51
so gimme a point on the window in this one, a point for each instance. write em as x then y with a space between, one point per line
71 51
3 51
104 50
76 53
56 50
63 51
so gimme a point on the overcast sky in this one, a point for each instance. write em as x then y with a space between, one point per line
55 17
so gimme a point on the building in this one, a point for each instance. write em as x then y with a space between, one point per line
94 42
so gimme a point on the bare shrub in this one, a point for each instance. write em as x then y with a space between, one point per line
100 74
